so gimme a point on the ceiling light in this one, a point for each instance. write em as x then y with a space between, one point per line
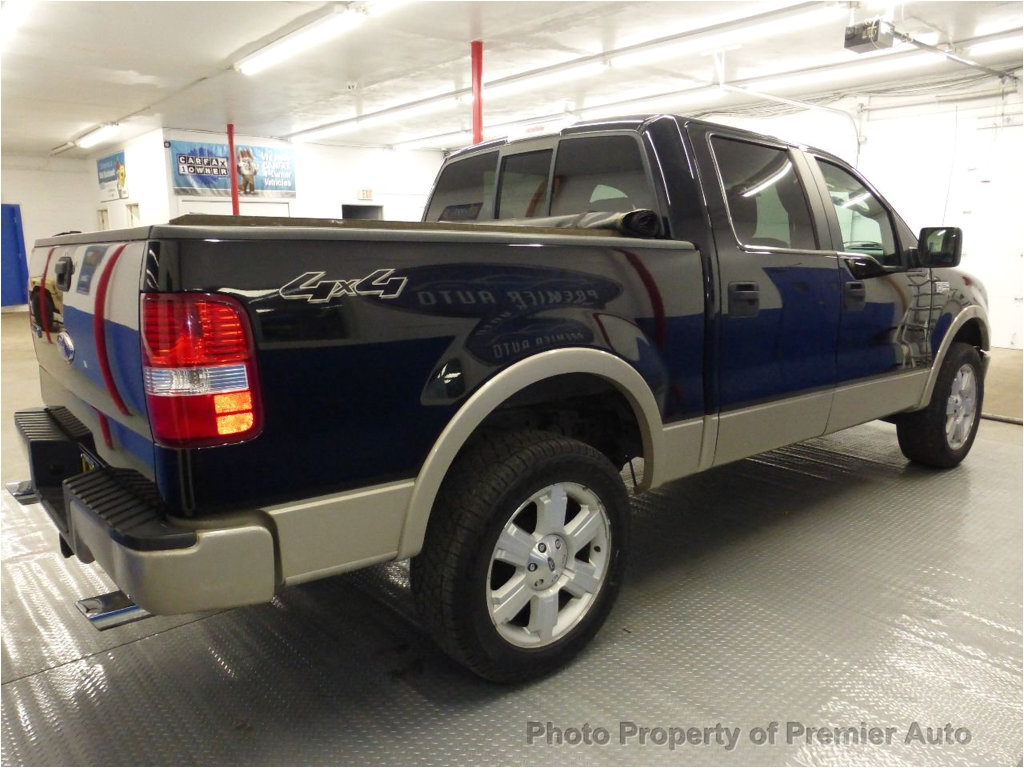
98 135
380 117
67 145
309 36
996 46
702 41
664 102
441 141
879 66
547 77
323 132
12 14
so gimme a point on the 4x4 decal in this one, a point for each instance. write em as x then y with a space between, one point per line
311 287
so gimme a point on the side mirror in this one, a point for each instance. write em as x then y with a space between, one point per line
940 246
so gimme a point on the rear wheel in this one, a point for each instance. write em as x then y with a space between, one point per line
524 554
942 434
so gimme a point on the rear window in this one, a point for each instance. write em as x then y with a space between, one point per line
464 191
591 173
524 185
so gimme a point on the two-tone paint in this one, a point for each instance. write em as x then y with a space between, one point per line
383 349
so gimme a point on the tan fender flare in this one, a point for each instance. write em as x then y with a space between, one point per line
968 314
504 385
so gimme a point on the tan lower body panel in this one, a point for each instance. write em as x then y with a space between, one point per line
341 532
760 428
857 403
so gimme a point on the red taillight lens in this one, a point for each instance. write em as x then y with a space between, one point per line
200 371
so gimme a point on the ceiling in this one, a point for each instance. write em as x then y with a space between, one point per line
71 66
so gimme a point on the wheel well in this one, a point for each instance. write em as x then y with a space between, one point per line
972 333
583 406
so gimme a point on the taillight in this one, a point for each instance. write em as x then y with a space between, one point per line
199 370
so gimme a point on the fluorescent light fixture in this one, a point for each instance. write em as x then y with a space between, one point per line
334 129
664 102
701 43
301 40
880 66
376 8
98 135
529 82
441 141
380 117
997 46
12 15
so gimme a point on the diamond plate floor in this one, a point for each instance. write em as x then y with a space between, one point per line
826 586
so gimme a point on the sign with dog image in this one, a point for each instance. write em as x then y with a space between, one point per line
200 168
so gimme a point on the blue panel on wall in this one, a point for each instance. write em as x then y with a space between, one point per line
14 276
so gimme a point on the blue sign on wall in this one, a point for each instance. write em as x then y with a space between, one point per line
113 177
200 168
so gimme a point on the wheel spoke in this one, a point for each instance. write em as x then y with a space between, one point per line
584 580
551 508
544 615
961 407
510 599
583 529
514 546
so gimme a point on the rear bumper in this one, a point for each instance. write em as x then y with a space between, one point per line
116 518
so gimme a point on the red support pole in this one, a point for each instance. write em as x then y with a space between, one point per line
233 164
477 55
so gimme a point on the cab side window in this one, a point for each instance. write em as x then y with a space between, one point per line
765 197
523 193
465 190
864 221
600 173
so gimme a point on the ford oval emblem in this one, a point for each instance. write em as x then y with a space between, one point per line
66 346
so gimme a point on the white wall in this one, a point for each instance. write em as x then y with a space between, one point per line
55 194
60 194
147 181
329 177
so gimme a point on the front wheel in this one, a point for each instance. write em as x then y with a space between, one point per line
942 434
524 554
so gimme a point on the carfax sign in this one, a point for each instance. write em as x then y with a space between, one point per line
199 168
113 177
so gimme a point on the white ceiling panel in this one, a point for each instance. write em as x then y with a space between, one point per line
71 66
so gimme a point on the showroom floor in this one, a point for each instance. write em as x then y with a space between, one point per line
871 610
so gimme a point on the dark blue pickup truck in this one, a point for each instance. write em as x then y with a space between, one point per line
234 406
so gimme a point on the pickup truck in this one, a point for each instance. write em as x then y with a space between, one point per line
234 406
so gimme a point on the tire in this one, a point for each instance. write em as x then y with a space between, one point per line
942 434
523 555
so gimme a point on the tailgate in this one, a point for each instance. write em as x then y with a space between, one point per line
84 310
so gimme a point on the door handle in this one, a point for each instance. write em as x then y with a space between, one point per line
855 296
744 299
62 272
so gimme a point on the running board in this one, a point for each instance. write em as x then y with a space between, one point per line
111 610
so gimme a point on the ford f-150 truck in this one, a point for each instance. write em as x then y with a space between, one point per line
234 406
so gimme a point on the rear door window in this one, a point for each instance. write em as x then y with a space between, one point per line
766 200
600 173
